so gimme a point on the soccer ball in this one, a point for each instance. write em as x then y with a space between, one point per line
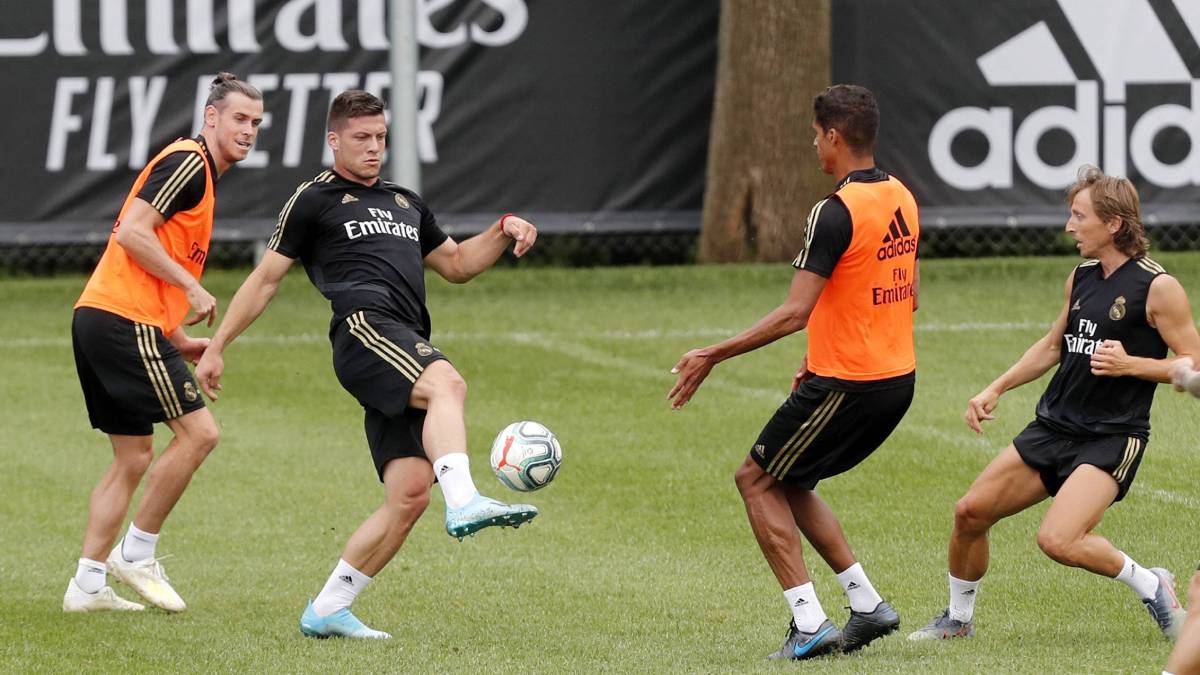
526 456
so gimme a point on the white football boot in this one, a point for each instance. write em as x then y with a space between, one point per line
148 578
105 599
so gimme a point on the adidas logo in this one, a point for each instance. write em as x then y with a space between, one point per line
348 198
898 240
800 602
760 450
347 578
851 586
1075 307
445 468
969 592
1098 123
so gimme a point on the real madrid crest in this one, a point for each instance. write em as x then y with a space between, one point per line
401 202
189 391
1117 311
424 349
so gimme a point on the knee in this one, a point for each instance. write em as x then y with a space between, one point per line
200 439
134 464
748 479
970 515
408 505
1056 545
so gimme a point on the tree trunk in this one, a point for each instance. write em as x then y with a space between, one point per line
763 177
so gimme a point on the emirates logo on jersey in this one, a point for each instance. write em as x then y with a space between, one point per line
197 254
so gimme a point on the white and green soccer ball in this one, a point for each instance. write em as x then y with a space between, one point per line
526 456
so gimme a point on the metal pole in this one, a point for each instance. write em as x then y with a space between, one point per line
404 58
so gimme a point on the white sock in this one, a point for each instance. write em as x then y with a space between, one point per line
962 599
859 590
340 590
1141 580
138 545
806 608
91 575
453 473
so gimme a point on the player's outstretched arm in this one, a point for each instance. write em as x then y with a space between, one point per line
248 303
1167 309
135 234
788 318
461 262
1039 358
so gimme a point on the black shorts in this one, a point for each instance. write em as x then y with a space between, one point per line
818 433
378 360
1055 455
131 375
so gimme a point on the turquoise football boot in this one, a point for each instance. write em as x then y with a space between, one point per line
483 512
339 624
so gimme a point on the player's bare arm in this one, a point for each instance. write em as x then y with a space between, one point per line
136 235
248 304
1039 358
789 317
1167 309
916 283
461 262
190 348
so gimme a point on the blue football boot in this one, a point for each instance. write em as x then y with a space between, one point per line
339 624
483 512
798 645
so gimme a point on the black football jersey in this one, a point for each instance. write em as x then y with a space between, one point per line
1080 403
362 246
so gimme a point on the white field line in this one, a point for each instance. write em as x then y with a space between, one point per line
537 336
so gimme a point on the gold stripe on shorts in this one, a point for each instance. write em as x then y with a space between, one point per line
1133 448
384 348
157 370
800 441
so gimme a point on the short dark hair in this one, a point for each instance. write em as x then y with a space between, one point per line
227 83
851 110
353 103
1113 197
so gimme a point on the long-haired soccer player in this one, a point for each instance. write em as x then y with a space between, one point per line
1121 312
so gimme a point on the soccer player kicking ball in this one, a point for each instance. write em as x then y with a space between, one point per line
855 290
364 243
1121 312
130 349
1185 658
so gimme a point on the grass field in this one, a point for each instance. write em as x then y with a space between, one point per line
642 559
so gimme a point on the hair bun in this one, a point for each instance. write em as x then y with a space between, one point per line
223 77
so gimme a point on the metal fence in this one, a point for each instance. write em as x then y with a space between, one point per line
584 240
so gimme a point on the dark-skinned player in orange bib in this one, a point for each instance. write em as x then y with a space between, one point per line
854 290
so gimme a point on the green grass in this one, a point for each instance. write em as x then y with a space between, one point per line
642 560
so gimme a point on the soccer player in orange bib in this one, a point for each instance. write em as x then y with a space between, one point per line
130 349
1121 312
855 290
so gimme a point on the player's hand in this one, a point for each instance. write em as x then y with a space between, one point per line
208 373
1181 368
802 374
192 349
203 304
521 231
1110 360
979 409
692 368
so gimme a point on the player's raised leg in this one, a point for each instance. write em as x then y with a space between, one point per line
1007 486
1066 537
442 393
870 616
132 561
88 590
406 485
811 632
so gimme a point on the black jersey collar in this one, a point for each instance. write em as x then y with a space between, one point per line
871 175
379 182
212 163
